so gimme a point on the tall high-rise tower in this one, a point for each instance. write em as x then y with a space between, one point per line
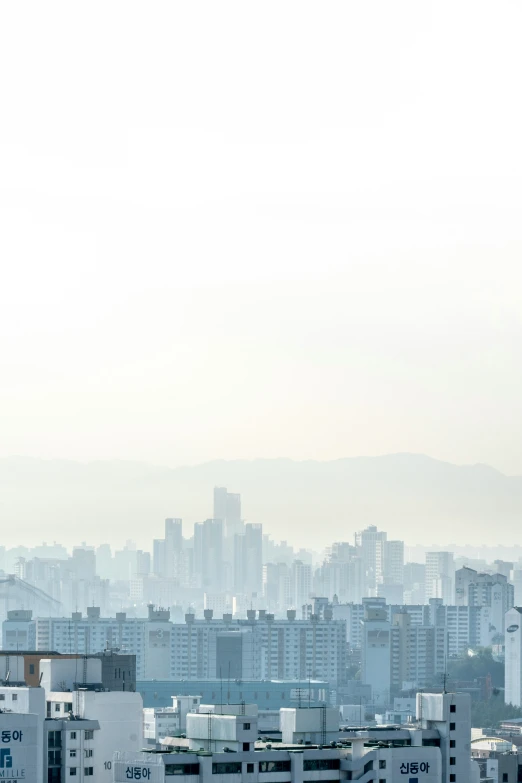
227 507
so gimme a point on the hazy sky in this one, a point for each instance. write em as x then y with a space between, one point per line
244 229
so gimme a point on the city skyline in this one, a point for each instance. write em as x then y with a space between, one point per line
419 499
261 392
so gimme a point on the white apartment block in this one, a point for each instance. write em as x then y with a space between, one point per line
372 543
433 749
513 657
21 734
161 722
440 576
149 639
75 732
399 654
257 648
18 630
466 626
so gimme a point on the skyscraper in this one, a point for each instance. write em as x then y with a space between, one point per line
513 682
248 557
301 583
208 554
440 575
372 545
173 547
227 507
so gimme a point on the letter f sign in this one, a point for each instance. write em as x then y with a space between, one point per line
6 760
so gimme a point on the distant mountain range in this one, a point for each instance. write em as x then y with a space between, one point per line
310 503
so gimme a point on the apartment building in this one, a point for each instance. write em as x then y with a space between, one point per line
433 749
259 647
73 729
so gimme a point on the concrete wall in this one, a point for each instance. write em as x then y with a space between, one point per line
120 716
60 674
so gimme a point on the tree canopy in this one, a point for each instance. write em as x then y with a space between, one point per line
474 666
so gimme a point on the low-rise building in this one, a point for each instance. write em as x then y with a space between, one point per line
434 749
74 722
161 722
267 694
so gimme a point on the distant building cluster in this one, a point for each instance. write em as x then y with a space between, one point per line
226 642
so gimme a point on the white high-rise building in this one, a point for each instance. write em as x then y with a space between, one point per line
434 749
18 630
440 575
56 735
394 562
302 582
371 543
376 654
22 713
149 639
513 657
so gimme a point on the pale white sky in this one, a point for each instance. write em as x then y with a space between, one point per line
250 230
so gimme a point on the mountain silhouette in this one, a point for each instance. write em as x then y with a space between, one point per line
309 503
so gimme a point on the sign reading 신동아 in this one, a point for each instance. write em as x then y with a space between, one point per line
18 747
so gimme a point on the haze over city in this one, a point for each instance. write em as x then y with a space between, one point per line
261 392
301 240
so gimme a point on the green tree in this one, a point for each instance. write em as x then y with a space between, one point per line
471 667
489 714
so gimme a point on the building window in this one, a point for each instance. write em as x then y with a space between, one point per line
57 707
504 777
382 764
54 758
54 739
72 754
72 735
250 769
274 766
72 771
87 771
2 696
311 765
181 769
88 754
232 768
246 726
453 708
89 734
452 743
15 697
246 746
452 727
453 778
31 668
452 761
